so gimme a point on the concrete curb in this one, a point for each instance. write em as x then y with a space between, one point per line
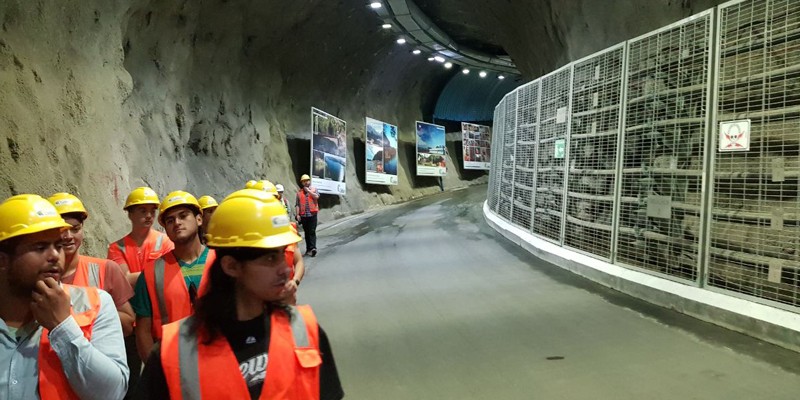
773 325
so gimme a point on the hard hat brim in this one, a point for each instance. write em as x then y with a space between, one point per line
269 242
36 228
139 203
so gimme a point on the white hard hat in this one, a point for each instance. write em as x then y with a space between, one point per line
279 187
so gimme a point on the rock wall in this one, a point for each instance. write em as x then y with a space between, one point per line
100 97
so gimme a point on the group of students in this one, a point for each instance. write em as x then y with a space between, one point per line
210 304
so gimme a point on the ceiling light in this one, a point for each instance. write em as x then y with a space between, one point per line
465 71
401 41
482 74
430 58
417 51
386 26
439 59
448 65
501 77
376 5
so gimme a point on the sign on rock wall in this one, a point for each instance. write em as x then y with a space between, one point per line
431 151
477 140
328 152
381 152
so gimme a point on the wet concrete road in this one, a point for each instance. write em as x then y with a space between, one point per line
425 301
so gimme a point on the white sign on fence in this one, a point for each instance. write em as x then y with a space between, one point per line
734 135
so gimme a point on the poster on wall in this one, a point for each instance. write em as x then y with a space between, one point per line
431 150
328 152
381 152
477 140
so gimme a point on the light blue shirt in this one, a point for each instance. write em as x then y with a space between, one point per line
96 369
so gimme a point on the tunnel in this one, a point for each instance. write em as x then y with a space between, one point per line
631 231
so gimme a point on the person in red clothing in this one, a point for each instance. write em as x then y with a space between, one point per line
143 245
307 207
80 270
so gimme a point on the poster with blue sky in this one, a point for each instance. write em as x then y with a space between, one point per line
431 150
381 152
328 152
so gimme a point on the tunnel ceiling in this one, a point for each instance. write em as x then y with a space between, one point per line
463 25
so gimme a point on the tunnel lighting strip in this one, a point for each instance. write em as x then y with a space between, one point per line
410 22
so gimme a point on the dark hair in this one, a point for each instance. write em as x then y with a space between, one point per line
77 215
9 246
217 308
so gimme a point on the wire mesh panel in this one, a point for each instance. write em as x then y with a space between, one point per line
525 154
755 225
550 168
596 99
663 148
492 194
507 163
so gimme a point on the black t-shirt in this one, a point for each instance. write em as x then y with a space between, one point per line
249 341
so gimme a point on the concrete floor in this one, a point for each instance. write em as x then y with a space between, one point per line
425 301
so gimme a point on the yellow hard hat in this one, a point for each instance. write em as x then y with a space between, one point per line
66 203
207 202
305 177
177 198
250 218
250 184
141 195
264 185
25 214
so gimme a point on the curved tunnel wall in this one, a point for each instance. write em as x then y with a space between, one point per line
100 97
619 160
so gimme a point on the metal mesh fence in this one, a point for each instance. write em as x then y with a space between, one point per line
754 244
550 163
664 134
507 172
596 99
673 201
525 154
494 173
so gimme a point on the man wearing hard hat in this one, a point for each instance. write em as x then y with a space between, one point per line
167 289
56 341
307 207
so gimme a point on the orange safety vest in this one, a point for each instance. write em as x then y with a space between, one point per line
155 245
195 369
91 272
168 293
53 383
301 196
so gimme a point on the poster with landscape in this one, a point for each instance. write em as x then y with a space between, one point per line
381 152
328 152
431 150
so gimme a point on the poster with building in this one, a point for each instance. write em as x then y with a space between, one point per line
477 141
381 152
431 150
328 152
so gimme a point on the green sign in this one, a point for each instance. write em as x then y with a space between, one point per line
560 148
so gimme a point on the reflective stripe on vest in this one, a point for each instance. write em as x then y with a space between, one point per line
160 266
159 241
53 383
93 273
292 370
